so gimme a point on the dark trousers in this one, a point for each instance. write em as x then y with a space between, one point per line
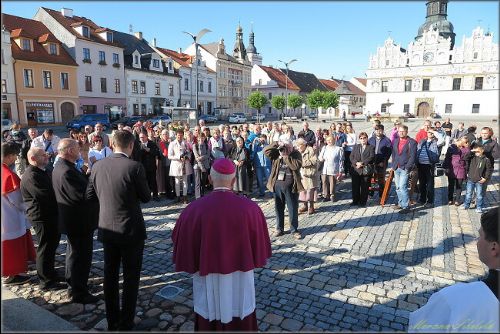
455 189
130 257
380 177
48 240
347 163
78 261
360 184
200 180
169 183
284 196
426 183
151 177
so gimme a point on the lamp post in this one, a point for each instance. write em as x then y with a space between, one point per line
196 39
286 82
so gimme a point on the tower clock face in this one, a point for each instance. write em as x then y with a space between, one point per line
428 56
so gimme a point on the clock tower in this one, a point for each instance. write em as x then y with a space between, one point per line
436 19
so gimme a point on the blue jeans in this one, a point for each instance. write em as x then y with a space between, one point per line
262 174
401 182
478 187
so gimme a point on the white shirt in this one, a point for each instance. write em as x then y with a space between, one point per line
98 155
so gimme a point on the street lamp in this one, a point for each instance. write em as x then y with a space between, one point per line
196 39
286 83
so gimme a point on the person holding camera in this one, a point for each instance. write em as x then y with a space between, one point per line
285 183
362 168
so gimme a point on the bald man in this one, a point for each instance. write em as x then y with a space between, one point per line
41 210
77 219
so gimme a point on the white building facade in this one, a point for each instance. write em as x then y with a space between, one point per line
434 77
9 99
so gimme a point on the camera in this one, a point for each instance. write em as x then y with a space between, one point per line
282 148
185 155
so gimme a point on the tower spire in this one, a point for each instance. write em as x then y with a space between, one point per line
436 18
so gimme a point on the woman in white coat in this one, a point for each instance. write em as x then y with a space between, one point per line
180 165
332 157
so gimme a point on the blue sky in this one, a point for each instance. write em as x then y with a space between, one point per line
328 38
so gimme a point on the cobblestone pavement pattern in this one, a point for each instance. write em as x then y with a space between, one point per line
356 269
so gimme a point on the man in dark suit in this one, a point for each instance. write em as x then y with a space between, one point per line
119 183
362 159
77 219
41 210
150 158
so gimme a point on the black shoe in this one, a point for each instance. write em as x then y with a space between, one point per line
353 204
85 299
52 286
361 205
17 280
404 211
326 199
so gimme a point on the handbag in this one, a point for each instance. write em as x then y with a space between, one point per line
367 170
438 170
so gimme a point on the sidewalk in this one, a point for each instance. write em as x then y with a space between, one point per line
21 315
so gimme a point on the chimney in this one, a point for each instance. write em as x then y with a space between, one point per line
138 34
180 50
153 42
67 12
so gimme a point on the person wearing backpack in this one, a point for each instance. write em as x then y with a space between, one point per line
427 157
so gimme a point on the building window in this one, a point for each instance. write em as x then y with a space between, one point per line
116 58
426 84
209 87
136 59
475 108
88 83
270 96
104 88
53 49
143 109
102 56
457 82
448 108
26 45
475 55
478 85
86 54
384 86
143 87
4 86
383 108
47 79
201 85
134 86
387 62
186 84
157 88
406 108
407 85
117 85
28 78
170 66
156 63
86 31
171 90
109 37
136 109
64 81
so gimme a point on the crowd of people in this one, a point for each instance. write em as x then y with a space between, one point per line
74 185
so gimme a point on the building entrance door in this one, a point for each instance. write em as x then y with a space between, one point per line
67 112
423 110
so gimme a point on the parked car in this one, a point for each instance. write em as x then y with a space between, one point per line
258 118
80 121
237 117
165 119
6 125
209 118
128 121
311 115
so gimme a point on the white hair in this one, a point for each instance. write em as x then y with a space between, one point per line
219 177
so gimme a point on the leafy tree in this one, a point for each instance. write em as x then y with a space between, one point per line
315 99
295 101
257 100
278 102
330 100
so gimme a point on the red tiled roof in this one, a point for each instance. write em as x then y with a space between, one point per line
182 58
329 84
70 22
353 88
362 80
36 31
280 78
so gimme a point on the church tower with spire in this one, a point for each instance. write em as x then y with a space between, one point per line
253 56
436 18
239 51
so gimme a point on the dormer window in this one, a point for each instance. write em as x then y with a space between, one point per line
26 43
156 63
85 31
136 59
109 37
170 66
53 49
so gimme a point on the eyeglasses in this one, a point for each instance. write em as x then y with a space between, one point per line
97 141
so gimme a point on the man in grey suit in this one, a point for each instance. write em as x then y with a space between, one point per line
120 184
